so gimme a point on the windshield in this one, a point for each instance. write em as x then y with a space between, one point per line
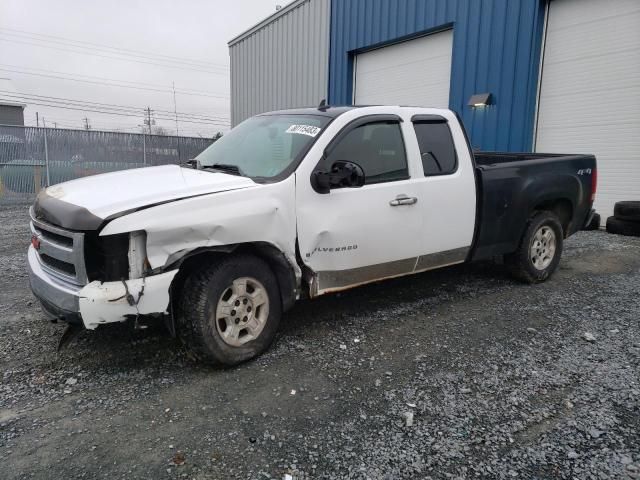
264 146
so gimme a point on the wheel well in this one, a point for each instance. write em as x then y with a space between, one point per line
562 208
279 264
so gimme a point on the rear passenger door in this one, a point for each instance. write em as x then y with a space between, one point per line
447 191
355 235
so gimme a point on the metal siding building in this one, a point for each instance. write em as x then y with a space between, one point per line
554 68
282 62
496 49
11 114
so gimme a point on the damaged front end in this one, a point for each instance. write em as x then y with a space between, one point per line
84 278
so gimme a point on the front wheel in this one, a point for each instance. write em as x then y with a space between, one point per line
540 249
230 311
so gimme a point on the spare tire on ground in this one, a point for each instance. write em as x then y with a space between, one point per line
623 227
628 211
594 224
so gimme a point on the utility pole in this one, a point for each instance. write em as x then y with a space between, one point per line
37 119
175 111
46 151
148 121
87 125
175 108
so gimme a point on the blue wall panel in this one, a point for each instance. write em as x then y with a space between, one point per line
496 48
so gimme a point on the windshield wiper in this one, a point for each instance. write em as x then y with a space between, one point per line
226 168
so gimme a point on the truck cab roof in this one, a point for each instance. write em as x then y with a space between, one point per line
336 111
327 111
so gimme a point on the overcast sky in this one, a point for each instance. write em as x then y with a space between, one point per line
84 40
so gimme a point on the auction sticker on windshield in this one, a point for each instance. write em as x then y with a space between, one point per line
304 130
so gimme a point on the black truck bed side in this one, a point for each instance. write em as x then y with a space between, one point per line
511 186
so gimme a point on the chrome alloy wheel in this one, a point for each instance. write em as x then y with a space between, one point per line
543 247
242 311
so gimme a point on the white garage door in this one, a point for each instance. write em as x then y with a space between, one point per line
415 72
590 91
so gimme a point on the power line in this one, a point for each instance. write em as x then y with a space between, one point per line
134 130
112 84
44 45
109 105
108 48
84 49
95 110
93 77
75 122
91 106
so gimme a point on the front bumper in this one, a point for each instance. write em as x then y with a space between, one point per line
60 300
98 303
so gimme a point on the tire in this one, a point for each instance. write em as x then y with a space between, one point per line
216 337
594 224
627 211
623 227
522 263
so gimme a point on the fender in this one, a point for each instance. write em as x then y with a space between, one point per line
264 214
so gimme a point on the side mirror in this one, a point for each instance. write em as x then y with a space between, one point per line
343 174
195 164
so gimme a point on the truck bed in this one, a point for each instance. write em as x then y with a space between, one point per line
498 158
510 184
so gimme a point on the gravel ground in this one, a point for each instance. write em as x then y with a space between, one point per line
459 373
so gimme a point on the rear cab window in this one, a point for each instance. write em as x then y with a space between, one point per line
437 149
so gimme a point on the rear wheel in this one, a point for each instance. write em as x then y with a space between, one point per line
230 311
540 249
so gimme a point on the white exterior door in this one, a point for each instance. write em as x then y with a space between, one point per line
416 72
590 91
351 236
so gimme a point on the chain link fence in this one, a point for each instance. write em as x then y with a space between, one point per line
32 158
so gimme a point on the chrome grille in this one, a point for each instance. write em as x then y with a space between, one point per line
61 251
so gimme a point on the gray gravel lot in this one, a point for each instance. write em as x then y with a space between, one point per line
459 373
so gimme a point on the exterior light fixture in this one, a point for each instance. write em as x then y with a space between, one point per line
480 100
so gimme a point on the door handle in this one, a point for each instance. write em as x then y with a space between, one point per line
402 199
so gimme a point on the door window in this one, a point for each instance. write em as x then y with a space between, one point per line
378 148
436 148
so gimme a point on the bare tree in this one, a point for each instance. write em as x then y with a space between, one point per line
159 131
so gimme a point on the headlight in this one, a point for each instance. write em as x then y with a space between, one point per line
117 257
137 254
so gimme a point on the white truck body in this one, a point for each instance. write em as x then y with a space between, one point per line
196 209
317 233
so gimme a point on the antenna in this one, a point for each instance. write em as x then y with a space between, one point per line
323 105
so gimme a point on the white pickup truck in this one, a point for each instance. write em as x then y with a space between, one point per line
293 204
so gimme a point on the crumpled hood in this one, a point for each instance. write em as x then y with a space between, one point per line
85 203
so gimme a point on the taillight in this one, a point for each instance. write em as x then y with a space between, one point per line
594 184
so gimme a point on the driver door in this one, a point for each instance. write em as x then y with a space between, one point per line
351 236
